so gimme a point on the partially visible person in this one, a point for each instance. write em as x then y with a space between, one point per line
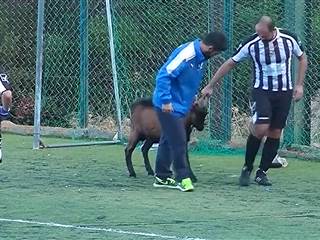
6 95
6 99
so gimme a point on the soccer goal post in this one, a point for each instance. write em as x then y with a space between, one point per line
77 94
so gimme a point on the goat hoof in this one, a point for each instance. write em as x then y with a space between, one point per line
151 173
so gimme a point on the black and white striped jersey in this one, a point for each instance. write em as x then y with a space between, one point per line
271 59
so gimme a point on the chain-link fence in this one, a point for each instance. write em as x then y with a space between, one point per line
78 90
77 86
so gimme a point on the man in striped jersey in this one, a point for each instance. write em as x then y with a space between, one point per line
271 51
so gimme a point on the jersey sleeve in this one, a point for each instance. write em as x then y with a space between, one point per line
242 53
297 48
3 75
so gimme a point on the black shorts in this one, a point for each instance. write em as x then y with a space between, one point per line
5 85
269 107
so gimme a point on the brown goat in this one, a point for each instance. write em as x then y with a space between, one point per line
145 126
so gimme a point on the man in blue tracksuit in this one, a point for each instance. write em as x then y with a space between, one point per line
177 83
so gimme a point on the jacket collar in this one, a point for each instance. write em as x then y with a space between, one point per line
199 55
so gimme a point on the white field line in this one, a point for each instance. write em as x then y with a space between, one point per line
84 228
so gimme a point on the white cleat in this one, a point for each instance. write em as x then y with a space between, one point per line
280 160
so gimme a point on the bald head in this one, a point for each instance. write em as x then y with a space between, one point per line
265 28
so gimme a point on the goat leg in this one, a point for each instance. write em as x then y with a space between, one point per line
145 149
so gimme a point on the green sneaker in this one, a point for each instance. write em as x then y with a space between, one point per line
186 185
165 183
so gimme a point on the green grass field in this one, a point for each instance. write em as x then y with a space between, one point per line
88 188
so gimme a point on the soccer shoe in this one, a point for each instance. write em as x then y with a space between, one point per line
165 183
4 114
279 162
244 179
262 179
186 185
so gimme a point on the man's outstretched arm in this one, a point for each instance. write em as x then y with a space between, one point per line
225 68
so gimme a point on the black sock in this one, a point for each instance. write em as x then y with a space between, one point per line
252 149
270 150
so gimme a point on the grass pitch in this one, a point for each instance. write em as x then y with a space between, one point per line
84 193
